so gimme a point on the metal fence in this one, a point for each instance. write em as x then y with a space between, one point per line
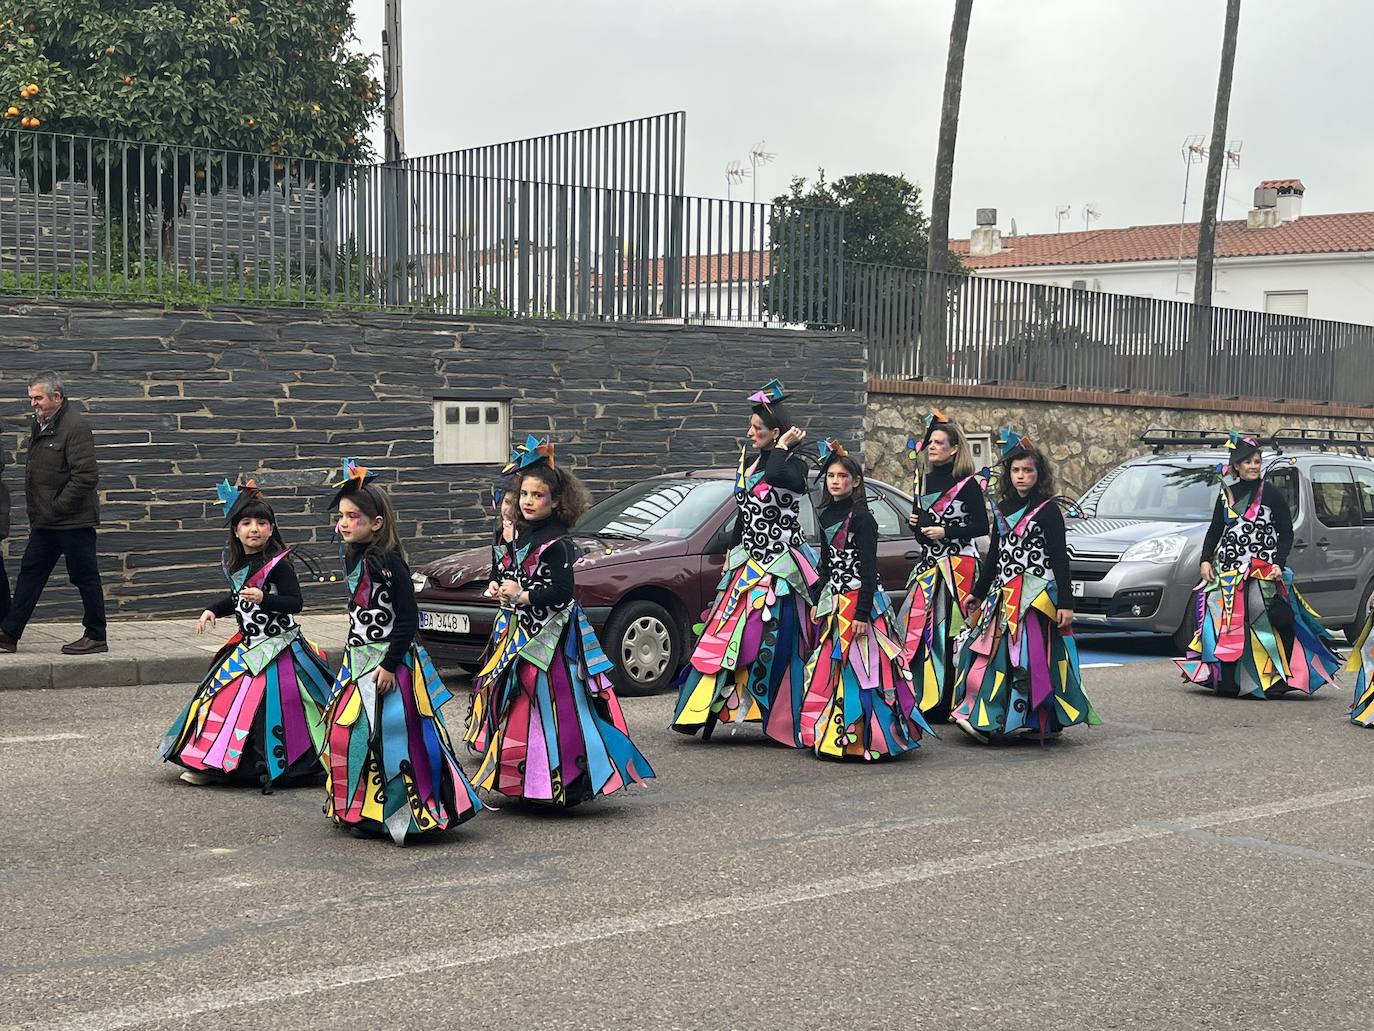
1000 331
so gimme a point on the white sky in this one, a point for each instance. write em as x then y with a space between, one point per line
1065 101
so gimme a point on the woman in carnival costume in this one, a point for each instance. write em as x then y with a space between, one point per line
1019 667
758 629
390 766
948 516
856 700
257 715
551 724
1256 636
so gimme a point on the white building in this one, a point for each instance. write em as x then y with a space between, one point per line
1276 260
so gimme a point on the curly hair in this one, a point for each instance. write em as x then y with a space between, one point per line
570 497
1044 476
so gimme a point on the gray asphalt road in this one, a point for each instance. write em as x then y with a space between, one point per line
1194 863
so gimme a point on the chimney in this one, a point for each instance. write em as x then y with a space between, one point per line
1265 213
986 238
1290 197
1282 202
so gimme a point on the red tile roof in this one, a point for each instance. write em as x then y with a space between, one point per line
707 269
1283 184
1310 234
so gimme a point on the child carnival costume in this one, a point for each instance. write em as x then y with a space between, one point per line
758 629
1256 636
1019 668
857 700
391 768
949 514
1361 663
257 715
551 724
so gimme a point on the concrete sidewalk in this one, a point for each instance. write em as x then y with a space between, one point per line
155 651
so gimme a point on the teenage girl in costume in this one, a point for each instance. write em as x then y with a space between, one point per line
551 723
1019 670
391 768
857 699
758 629
256 717
949 515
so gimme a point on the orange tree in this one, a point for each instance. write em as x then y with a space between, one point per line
234 86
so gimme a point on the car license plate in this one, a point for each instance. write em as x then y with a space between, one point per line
1076 588
445 622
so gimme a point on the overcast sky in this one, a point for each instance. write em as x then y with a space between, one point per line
1065 101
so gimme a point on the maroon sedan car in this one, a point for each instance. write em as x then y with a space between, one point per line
651 558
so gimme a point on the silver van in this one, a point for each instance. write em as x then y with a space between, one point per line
1135 539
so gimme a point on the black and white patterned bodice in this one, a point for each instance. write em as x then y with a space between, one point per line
1247 539
1023 554
256 623
532 575
372 616
842 562
770 522
954 515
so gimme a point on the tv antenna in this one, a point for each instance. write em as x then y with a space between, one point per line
735 173
1061 213
1194 153
758 156
1013 227
1232 161
1090 214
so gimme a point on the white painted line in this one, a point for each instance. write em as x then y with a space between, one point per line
424 964
40 738
1097 665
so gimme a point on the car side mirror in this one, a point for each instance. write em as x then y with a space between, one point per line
719 543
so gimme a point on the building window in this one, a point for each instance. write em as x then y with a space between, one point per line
1285 302
471 430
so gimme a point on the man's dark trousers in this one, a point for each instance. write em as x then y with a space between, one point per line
40 558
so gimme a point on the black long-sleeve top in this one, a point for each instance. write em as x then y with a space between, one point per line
1244 493
863 539
1051 522
557 558
391 569
974 523
782 469
280 593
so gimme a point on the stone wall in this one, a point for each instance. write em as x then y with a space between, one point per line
1085 433
179 400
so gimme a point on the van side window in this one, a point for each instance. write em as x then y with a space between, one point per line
1364 487
1333 492
1285 481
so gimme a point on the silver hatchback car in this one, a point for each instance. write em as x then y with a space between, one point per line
1135 541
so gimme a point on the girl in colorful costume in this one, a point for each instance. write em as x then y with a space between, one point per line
949 514
1256 635
1361 663
857 699
1019 668
758 629
256 717
390 766
551 723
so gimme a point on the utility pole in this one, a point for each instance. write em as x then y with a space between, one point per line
393 115
395 202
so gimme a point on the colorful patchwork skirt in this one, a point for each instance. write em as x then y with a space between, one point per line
1361 663
932 618
257 715
389 762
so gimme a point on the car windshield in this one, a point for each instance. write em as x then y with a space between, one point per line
656 508
1185 490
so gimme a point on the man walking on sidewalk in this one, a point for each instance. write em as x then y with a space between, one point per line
60 480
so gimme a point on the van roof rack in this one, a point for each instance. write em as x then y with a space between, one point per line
1160 437
1322 439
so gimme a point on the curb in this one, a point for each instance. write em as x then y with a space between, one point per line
101 671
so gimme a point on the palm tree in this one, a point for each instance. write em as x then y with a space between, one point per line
1201 329
933 363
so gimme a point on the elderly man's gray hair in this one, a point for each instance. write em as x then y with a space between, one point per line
51 383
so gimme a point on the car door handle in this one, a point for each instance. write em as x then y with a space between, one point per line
1300 545
1323 543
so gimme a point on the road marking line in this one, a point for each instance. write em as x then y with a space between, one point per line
264 990
1097 665
39 738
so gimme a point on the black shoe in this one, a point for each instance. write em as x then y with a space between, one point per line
85 646
8 643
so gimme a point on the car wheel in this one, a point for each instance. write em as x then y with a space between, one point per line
1352 630
1187 630
644 643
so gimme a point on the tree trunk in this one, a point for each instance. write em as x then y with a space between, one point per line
934 362
1200 335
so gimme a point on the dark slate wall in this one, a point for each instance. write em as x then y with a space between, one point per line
179 400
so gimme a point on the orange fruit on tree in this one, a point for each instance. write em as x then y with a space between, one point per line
31 90
11 112
109 50
233 19
128 80
34 123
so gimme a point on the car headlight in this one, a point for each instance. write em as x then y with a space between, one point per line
419 581
1156 549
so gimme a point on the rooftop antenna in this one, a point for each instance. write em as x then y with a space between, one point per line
1061 213
758 156
1232 161
735 173
1013 227
1090 214
1194 153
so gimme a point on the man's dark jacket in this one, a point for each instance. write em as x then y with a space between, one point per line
61 476
4 503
